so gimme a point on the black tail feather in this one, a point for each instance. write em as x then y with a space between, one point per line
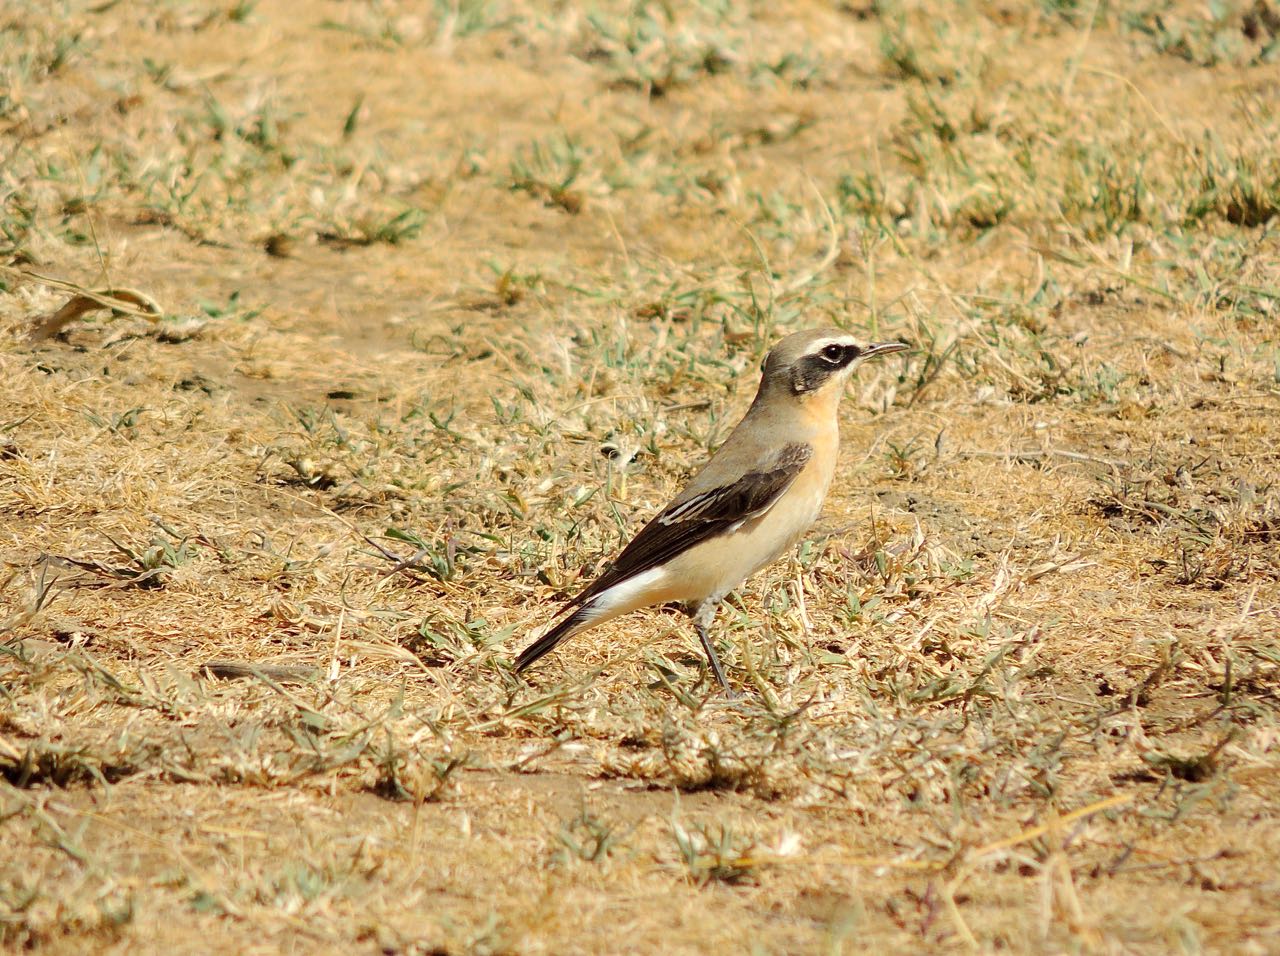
550 640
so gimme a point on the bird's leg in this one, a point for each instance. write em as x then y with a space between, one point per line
702 618
800 605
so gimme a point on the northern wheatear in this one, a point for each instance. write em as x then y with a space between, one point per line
760 491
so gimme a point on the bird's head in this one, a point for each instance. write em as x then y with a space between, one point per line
818 361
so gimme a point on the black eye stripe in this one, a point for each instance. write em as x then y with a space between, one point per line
818 366
837 355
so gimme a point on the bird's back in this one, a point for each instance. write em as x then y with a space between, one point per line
765 432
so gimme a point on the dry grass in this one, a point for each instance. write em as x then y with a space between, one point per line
451 296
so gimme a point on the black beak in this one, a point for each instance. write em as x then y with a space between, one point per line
883 348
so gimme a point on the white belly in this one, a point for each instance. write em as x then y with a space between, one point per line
716 567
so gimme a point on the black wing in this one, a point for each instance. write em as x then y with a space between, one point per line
682 525
694 520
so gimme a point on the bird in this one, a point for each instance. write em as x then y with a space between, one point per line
747 506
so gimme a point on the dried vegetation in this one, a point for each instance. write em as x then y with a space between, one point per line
338 339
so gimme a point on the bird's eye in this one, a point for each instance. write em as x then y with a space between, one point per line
833 354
